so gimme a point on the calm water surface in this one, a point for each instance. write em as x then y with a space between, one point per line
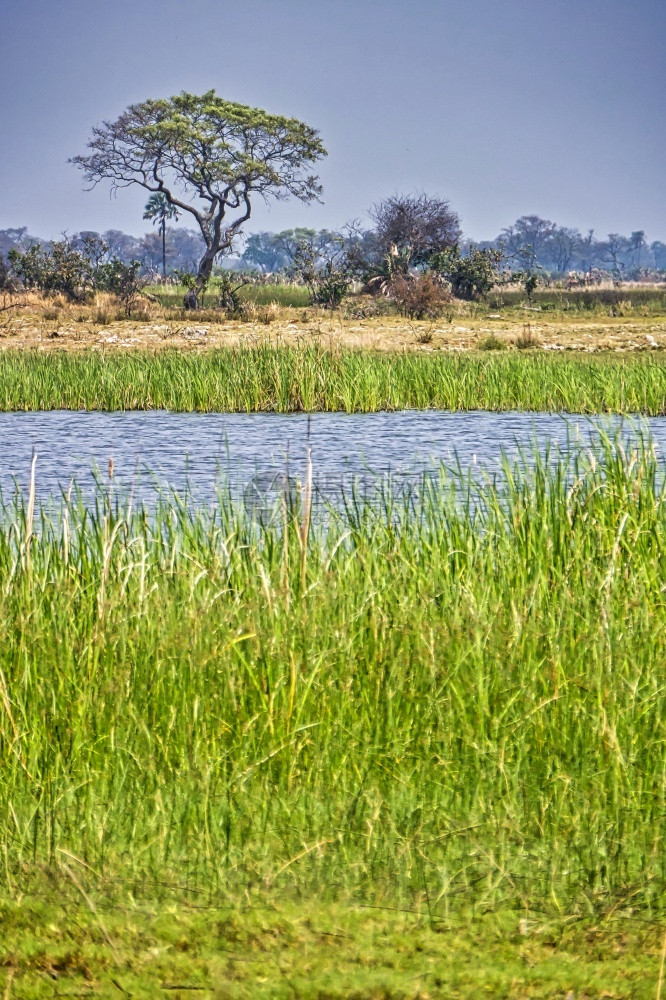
158 450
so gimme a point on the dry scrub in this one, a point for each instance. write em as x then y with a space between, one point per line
32 321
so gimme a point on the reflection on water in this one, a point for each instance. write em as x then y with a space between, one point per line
261 456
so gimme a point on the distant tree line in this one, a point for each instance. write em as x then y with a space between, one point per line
183 247
208 159
530 244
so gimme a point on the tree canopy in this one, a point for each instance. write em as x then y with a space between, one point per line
208 157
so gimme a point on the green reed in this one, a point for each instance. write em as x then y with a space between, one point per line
459 696
296 296
288 379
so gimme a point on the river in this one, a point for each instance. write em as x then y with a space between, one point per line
156 451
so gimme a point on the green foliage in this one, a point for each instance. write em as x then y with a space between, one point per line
491 343
228 287
324 268
122 280
292 379
61 268
159 209
380 275
289 295
217 153
186 279
472 276
73 272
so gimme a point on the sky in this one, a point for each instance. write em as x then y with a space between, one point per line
547 107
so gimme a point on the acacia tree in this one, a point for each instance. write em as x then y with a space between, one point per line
208 157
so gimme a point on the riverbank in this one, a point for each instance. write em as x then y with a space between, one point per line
290 379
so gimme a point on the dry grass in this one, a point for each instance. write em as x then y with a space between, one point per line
53 323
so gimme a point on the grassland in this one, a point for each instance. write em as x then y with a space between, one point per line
134 945
285 379
454 709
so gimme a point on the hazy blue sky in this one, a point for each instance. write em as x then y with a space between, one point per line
506 108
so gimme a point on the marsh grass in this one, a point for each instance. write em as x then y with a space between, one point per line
624 301
628 300
457 697
287 295
285 379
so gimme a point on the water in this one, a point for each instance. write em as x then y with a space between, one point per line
259 455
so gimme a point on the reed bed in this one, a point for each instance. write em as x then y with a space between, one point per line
458 697
283 379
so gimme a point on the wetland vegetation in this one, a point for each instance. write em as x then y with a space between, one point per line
286 379
453 708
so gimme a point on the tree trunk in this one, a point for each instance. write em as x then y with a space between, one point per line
192 299
164 248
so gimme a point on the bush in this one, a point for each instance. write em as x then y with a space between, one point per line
470 277
527 339
491 343
122 280
420 296
7 279
62 268
229 288
326 270
77 272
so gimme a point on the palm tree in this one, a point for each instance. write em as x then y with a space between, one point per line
159 209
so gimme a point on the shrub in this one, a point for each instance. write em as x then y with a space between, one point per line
229 297
122 280
424 337
491 343
326 270
250 312
470 277
7 279
527 339
420 296
62 268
